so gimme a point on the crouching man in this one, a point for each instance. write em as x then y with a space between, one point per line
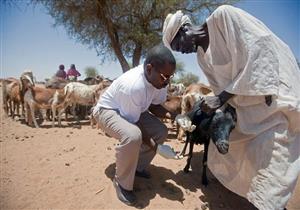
122 112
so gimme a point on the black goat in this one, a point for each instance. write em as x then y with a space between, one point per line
216 126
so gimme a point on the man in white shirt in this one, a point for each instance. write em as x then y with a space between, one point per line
122 112
249 67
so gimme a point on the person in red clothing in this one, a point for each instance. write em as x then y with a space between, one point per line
72 73
61 72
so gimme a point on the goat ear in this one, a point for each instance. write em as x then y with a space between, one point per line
232 112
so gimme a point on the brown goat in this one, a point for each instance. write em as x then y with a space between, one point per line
36 98
12 99
173 104
192 94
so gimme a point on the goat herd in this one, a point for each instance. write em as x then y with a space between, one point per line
58 96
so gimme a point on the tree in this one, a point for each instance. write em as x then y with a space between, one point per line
125 29
178 72
179 67
187 78
90 72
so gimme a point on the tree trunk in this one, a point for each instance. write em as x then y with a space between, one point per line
137 55
123 62
112 33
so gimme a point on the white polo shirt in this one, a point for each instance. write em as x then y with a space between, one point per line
131 94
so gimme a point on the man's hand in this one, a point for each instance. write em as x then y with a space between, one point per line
185 123
166 151
210 104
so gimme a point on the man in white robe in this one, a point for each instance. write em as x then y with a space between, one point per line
249 67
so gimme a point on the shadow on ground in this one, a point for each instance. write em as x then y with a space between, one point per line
215 195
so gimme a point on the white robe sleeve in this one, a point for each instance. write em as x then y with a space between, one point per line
248 44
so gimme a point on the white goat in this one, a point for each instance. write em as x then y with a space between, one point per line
78 93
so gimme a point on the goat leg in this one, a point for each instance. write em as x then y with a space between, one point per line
23 109
185 144
33 117
188 162
76 114
204 163
60 112
14 110
18 109
53 110
10 107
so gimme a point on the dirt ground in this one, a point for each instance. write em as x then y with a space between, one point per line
71 168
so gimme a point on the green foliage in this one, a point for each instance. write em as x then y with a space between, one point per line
187 78
90 72
122 30
179 67
179 71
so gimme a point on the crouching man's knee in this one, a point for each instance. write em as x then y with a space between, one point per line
162 134
134 137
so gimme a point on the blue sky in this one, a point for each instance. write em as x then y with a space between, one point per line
29 41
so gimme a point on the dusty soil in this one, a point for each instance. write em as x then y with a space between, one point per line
72 168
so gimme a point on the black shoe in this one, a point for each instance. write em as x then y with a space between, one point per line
126 196
144 174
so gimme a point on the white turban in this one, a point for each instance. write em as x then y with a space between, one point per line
172 24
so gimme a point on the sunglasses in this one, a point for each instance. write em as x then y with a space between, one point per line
162 76
165 78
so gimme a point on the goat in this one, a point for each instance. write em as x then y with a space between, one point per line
173 104
11 96
198 88
93 121
15 98
36 98
216 126
78 93
56 83
42 98
192 94
176 89
93 80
